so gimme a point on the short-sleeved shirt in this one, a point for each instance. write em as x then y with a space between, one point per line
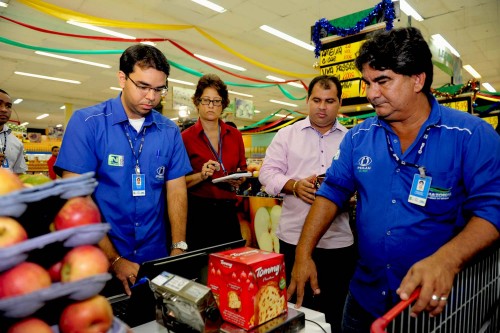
296 152
14 150
461 154
95 140
199 151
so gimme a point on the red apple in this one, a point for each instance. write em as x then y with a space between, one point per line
11 232
93 315
23 279
83 261
55 271
76 212
30 325
9 181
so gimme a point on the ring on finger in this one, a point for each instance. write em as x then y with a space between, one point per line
443 298
435 297
131 276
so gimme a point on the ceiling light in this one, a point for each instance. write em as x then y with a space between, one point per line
149 43
488 87
409 11
283 116
296 84
48 77
444 43
17 101
102 30
3 4
45 115
181 82
174 119
25 123
241 94
222 63
256 111
63 107
284 103
275 78
58 125
72 59
472 71
286 37
210 5
115 88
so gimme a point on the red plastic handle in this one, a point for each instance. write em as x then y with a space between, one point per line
381 323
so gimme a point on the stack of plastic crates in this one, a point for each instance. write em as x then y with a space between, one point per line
473 305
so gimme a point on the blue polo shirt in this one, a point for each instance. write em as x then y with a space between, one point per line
461 154
95 140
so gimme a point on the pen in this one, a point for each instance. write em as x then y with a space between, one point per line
157 153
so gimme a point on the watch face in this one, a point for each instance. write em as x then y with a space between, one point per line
180 245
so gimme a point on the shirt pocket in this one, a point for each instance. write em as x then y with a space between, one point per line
443 198
158 170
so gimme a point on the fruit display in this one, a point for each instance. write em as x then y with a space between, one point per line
51 270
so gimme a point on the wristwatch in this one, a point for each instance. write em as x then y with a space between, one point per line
180 245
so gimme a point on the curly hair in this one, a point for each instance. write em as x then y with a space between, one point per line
402 50
211 81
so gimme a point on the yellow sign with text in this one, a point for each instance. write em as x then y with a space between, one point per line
339 53
353 88
343 71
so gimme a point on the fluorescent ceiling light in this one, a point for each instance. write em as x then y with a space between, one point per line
181 82
241 94
59 125
174 119
210 5
283 116
45 115
409 11
47 77
222 63
25 123
149 43
286 37
17 101
472 71
284 103
115 88
99 29
444 43
275 78
91 63
296 84
256 111
488 87
63 107
3 4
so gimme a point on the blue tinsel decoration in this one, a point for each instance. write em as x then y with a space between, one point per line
323 28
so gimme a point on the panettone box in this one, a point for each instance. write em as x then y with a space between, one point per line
249 285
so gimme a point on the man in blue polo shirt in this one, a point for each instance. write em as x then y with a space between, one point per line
409 236
139 160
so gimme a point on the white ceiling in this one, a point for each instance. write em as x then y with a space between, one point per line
472 27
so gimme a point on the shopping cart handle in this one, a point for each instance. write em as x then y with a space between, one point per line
379 325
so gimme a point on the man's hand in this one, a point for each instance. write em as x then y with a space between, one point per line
126 272
303 270
306 189
434 275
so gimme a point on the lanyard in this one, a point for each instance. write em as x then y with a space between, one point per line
4 148
421 143
126 130
218 157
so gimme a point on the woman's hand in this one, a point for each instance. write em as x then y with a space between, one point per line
208 169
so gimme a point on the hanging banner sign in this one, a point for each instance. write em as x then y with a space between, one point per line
339 54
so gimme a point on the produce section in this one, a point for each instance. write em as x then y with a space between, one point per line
51 272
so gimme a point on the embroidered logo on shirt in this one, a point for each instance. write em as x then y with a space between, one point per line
160 173
439 194
364 164
115 160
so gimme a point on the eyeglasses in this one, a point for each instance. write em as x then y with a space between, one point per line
207 101
145 89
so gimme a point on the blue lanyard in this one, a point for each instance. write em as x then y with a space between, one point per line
126 129
422 143
218 157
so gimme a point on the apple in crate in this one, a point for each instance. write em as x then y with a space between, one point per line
23 279
30 324
9 181
76 212
83 261
11 232
92 315
55 271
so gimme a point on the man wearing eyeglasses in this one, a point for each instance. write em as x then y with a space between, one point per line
139 160
11 149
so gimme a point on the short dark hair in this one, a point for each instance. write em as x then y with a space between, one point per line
53 147
4 92
144 56
211 81
325 81
402 50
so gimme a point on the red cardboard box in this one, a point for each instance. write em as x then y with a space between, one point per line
249 285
